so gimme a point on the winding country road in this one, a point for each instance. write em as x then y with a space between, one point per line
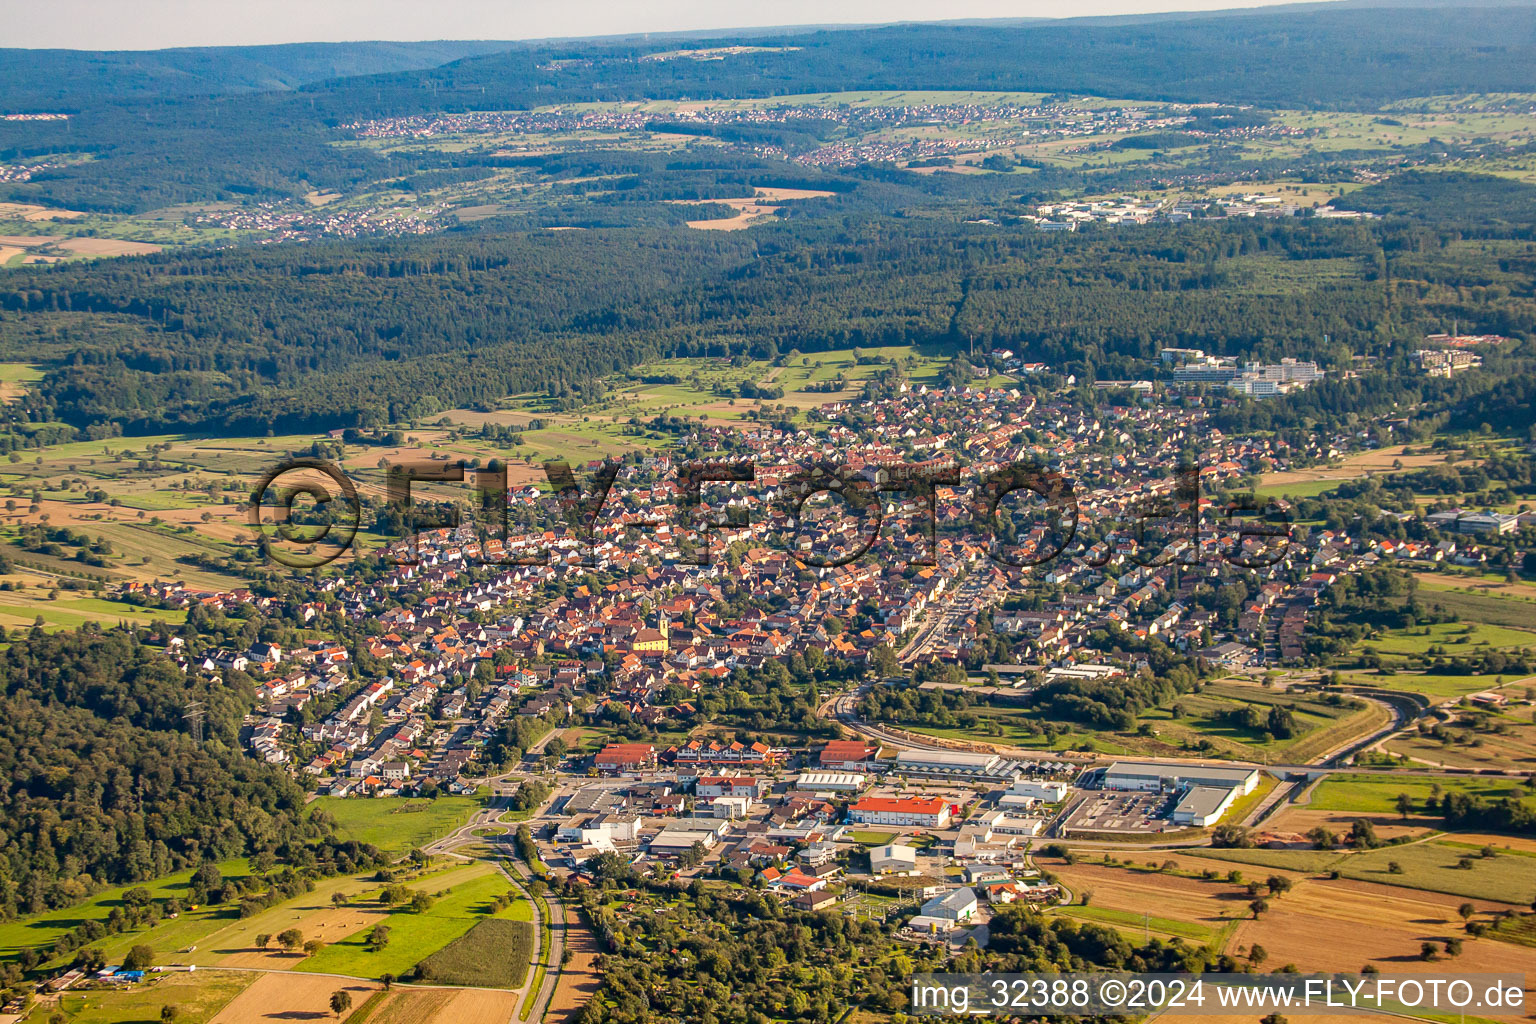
491 817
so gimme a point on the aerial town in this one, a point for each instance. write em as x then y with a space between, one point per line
483 649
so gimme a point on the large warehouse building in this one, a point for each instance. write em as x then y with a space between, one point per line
957 766
1150 777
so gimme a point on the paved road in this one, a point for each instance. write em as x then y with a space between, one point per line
941 617
841 707
488 817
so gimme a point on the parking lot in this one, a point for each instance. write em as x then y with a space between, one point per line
1112 811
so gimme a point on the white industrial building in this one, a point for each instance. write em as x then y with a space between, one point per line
945 911
674 842
832 782
957 765
893 860
1204 805
1027 793
1151 777
603 831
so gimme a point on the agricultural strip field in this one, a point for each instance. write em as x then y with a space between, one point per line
1190 908
1190 720
436 1006
579 979
463 900
1340 925
1510 606
1132 922
317 914
287 997
495 953
1456 639
1308 483
1433 866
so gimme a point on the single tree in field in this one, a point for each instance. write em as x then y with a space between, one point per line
1428 951
387 980
1322 838
313 946
170 1013
341 1002
1258 907
290 939
378 938
1466 910
1404 805
338 899
1257 955
263 940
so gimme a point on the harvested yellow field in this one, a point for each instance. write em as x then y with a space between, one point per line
747 212
28 211
412 1006
327 925
477 1006
107 247
1302 819
57 244
1382 460
1212 904
784 194
289 997
1328 925
579 979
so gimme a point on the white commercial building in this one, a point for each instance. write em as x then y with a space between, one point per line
832 782
957 765
1151 777
1203 805
1025 791
674 842
927 812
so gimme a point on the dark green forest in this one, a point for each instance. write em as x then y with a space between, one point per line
101 781
367 333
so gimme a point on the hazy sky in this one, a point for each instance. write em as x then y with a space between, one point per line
150 24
